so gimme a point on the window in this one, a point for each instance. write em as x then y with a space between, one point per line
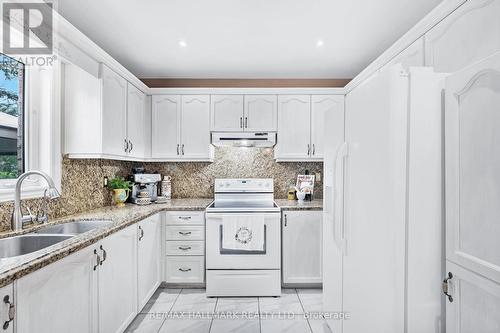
12 161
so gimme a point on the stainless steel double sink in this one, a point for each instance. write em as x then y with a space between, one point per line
46 236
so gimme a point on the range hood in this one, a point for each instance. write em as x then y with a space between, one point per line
244 139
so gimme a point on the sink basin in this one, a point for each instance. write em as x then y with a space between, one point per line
25 244
73 228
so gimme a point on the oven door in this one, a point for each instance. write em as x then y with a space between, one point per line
220 258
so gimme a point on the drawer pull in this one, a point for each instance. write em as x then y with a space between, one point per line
185 217
184 248
185 233
11 313
185 269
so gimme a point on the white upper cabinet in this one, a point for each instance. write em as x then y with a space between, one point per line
467 35
195 128
166 118
181 128
320 106
114 113
294 127
261 113
227 113
136 123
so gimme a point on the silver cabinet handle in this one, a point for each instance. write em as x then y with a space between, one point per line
125 146
98 259
185 217
184 233
12 311
184 248
445 287
246 122
182 149
131 146
185 269
104 255
178 146
308 149
286 220
241 122
142 233
314 149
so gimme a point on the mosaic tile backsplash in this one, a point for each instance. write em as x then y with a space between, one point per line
82 188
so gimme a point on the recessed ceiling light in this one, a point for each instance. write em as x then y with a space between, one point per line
320 43
182 43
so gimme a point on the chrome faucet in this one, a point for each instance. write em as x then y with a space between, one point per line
18 219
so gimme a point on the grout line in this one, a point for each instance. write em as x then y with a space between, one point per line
258 310
168 312
213 316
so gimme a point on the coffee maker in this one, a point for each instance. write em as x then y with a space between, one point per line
144 186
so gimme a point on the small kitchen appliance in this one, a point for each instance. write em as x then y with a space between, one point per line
144 188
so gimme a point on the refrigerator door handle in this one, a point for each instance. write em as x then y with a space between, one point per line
338 214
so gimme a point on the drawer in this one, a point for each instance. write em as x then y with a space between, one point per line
185 248
185 269
185 232
185 218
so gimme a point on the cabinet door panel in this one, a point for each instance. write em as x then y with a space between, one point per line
114 112
59 297
302 247
165 126
261 113
320 106
148 258
118 281
227 113
136 122
294 127
195 127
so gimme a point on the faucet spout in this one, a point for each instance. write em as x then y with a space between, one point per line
18 219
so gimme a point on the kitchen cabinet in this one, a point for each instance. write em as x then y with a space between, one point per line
302 247
226 113
59 296
137 130
114 113
7 310
118 280
181 128
148 258
260 113
301 126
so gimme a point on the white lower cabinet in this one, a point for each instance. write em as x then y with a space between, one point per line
148 258
118 280
7 310
60 297
302 247
185 247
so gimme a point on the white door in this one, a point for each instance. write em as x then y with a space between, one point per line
148 258
227 113
195 127
114 113
136 122
320 106
294 127
472 196
60 297
261 113
7 312
302 247
372 235
165 126
118 280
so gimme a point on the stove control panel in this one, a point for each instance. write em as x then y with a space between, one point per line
244 185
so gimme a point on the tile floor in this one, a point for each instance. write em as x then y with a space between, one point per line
189 310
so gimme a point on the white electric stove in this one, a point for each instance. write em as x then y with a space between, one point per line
243 239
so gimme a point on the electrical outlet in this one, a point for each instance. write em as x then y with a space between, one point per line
318 176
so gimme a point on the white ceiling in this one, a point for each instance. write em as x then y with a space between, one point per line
245 38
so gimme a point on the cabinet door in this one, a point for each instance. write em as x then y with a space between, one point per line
60 297
261 113
294 127
195 127
7 292
148 258
227 113
320 105
114 113
166 113
302 247
118 280
136 122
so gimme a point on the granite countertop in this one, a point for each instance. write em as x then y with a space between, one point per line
286 204
17 267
